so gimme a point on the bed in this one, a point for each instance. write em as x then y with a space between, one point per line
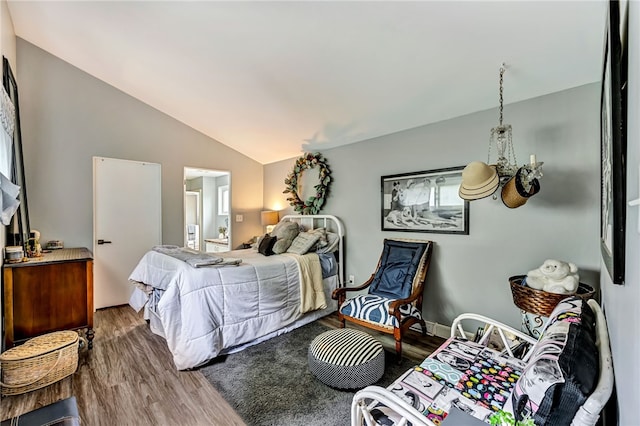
564 377
204 311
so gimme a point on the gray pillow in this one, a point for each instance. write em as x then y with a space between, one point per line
281 246
303 243
285 232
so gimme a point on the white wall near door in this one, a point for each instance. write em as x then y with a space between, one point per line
127 217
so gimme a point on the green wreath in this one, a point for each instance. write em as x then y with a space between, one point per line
313 204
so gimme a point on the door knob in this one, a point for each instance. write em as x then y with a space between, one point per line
100 242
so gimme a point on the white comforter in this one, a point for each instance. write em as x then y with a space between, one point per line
205 310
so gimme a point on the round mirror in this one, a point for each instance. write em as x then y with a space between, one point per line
308 183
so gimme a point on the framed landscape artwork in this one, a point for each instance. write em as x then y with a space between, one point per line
613 147
425 201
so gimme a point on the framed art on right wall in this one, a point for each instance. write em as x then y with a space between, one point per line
613 148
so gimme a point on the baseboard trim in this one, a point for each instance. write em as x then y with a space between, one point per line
434 329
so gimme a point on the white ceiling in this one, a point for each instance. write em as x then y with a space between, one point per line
273 79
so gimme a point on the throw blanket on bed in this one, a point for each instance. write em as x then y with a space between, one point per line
195 258
311 289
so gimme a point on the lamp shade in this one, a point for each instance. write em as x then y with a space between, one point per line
268 217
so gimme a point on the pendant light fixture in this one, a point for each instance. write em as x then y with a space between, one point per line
518 183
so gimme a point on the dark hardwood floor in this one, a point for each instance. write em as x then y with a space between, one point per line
129 378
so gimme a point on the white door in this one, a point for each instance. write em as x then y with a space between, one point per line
127 222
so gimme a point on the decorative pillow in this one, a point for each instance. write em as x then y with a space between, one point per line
285 232
333 242
281 246
303 243
322 241
266 245
564 367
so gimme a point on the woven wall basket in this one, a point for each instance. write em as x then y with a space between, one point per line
39 362
540 302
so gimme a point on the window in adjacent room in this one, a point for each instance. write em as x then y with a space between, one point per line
223 199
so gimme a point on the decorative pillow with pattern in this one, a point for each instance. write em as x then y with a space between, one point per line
303 243
563 369
322 240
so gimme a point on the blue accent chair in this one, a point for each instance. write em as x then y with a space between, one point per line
394 299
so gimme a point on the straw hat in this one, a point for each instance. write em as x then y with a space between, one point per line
479 180
514 194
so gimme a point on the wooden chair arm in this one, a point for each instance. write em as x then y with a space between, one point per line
341 291
393 306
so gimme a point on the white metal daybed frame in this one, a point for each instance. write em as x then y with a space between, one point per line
330 223
587 415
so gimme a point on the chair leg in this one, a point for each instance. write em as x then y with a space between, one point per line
423 326
341 320
397 335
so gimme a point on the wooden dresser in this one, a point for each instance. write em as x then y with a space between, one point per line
50 293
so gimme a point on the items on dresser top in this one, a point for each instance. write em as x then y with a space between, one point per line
55 245
13 254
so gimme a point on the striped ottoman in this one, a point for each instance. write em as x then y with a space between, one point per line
345 358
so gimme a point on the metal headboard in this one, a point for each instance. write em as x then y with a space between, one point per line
330 223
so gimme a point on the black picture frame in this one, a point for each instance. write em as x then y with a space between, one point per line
425 201
613 149
19 229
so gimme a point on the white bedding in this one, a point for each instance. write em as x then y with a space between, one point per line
205 311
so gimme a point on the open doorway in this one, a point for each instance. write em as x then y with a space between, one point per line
206 209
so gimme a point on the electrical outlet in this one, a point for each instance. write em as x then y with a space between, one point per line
239 218
352 279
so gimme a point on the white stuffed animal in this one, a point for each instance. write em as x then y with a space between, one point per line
555 276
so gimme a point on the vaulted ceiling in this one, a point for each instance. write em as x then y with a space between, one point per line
273 79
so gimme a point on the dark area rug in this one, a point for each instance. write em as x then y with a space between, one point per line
270 383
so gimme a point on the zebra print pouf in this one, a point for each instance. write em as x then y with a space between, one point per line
345 358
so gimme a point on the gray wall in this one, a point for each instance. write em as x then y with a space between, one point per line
621 302
69 116
470 273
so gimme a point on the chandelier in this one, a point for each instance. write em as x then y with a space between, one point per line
501 136
518 183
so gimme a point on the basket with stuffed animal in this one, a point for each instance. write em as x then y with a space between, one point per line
541 302
544 287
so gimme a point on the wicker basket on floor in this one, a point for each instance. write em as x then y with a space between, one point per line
38 362
540 302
